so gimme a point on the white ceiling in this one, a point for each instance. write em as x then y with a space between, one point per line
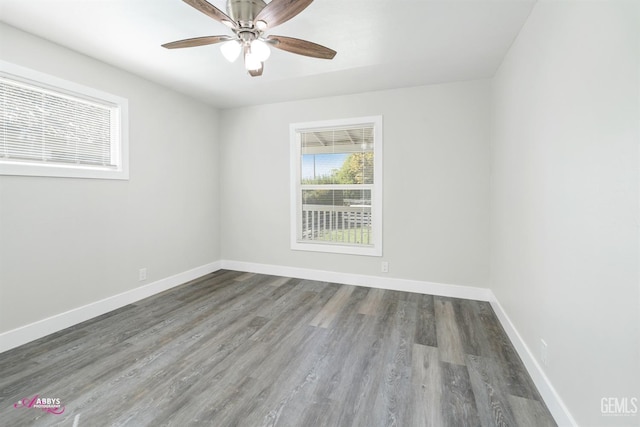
381 44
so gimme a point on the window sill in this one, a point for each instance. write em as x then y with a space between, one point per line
337 249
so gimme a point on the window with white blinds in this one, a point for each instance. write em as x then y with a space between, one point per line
336 191
51 127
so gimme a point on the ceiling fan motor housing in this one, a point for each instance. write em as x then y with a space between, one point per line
244 11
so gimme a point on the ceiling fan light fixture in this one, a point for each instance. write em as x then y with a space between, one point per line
260 50
261 25
251 62
231 50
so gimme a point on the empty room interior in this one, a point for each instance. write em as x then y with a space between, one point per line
329 213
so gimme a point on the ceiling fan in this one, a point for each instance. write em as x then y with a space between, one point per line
249 19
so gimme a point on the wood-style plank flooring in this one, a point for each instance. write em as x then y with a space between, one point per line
240 349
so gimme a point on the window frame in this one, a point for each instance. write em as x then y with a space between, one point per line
119 143
375 249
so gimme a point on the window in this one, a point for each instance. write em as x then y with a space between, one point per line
336 186
52 127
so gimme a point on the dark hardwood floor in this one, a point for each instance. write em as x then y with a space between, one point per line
240 349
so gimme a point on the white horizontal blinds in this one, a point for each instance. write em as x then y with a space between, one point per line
43 126
336 183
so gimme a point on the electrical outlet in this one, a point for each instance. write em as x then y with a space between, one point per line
142 274
544 353
385 267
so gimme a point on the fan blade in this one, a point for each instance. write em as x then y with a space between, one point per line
196 41
279 11
211 11
258 72
301 47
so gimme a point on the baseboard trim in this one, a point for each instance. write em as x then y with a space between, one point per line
33 331
391 283
549 394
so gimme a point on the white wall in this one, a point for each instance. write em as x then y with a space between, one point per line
67 242
564 187
436 182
